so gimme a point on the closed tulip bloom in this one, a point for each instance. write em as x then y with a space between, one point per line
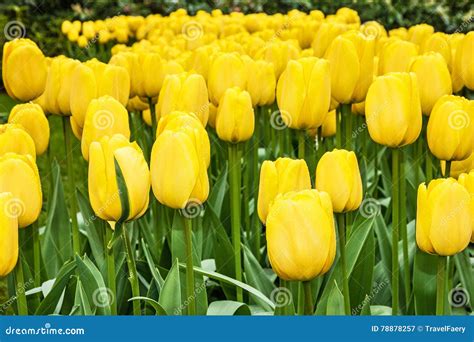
465 60
324 36
434 79
399 32
19 175
8 234
393 102
418 34
467 181
455 43
103 189
396 56
329 125
444 217
227 70
23 70
14 138
338 174
235 120
105 117
450 129
458 167
76 129
183 92
279 54
279 177
438 42
261 83
301 238
136 104
304 93
31 117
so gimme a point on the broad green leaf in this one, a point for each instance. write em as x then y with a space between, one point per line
335 302
219 189
170 296
464 267
81 302
380 310
228 308
424 283
365 310
154 272
159 311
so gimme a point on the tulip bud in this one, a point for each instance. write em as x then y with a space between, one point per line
396 55
226 71
261 83
279 54
450 129
8 234
23 70
304 93
467 181
438 42
465 60
444 218
393 101
76 129
19 175
136 104
212 115
14 138
434 79
301 238
455 43
324 36
105 116
104 193
338 174
329 124
235 120
418 34
31 117
283 175
183 92
399 32
458 167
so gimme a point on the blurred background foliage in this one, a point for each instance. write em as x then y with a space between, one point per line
42 18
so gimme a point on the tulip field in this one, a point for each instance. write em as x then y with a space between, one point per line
233 163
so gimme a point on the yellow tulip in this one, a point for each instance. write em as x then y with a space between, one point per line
31 117
393 101
434 79
105 116
304 93
279 177
8 235
465 60
467 181
262 83
399 32
458 167
438 42
66 25
455 43
279 54
183 92
14 138
348 15
396 55
324 36
418 34
212 115
338 175
23 70
82 41
227 70
450 129
19 175
329 125
136 104
235 120
76 129
301 238
444 217
104 193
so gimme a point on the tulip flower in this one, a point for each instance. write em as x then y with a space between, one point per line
396 56
14 138
104 116
227 70
434 79
136 104
279 54
304 93
458 167
465 60
8 234
19 175
279 177
23 70
103 189
324 36
438 42
31 117
329 125
450 129
467 181
418 34
183 92
262 83
235 118
455 43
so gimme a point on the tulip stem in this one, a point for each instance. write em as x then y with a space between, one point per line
403 230
234 180
36 254
395 227
255 179
153 117
342 249
132 269
441 286
346 115
301 144
447 171
20 289
308 298
72 186
110 268
188 231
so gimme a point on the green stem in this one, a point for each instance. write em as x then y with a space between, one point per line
153 117
189 267
308 298
347 119
301 144
235 182
403 230
339 127
395 227
342 250
132 270
36 254
441 286
20 289
301 299
256 222
447 170
72 185
110 268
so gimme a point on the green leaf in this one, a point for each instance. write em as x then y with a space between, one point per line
335 302
380 310
154 272
424 283
170 296
365 311
464 267
219 189
228 308
81 303
124 202
159 311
